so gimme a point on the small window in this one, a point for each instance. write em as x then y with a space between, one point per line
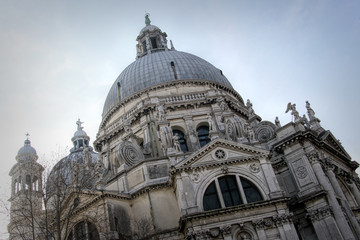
182 140
28 183
144 46
93 232
80 231
229 189
153 42
118 91
203 135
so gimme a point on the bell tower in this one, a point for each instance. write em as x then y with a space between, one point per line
26 193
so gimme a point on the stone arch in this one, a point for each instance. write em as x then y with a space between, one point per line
183 137
89 228
347 192
239 231
203 133
209 178
234 129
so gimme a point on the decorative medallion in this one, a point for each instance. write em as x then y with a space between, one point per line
130 153
254 167
195 177
265 131
301 172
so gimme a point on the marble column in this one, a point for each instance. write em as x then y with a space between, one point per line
271 180
355 191
324 224
337 211
335 184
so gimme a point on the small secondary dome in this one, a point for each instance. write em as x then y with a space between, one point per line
27 153
81 157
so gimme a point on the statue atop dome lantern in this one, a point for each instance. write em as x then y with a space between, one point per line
78 123
147 19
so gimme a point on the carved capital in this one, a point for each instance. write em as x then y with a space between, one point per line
225 230
259 224
319 214
313 157
279 220
262 223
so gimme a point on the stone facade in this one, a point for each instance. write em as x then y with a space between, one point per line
182 156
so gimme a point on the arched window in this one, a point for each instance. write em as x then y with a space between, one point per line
230 191
203 135
35 184
84 231
182 140
28 182
15 190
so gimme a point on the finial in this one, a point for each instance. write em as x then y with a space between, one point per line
172 45
147 19
27 141
78 123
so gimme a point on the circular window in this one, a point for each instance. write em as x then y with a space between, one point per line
220 154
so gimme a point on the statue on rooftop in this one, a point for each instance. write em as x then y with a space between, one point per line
277 122
294 112
250 108
310 112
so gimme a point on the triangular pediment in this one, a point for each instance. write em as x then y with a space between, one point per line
331 142
219 151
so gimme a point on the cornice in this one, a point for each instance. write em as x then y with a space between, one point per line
234 209
164 85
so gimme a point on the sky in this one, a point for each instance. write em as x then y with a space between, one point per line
58 60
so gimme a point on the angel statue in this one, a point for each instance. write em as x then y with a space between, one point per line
294 112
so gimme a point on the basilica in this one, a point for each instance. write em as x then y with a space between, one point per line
179 154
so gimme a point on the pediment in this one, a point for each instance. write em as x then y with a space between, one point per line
219 151
330 141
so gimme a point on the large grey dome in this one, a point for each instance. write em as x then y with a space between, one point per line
156 68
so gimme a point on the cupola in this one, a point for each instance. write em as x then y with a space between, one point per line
151 39
27 153
80 138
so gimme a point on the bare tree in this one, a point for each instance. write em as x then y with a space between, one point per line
143 228
65 183
46 213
